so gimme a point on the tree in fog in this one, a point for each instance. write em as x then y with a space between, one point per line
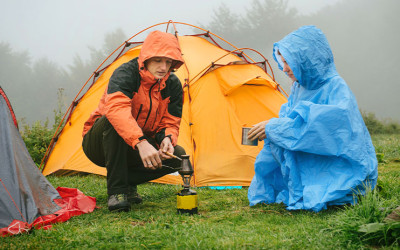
258 26
80 70
112 40
363 35
33 86
364 38
47 78
224 23
14 70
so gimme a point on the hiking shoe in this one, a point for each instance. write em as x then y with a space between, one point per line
133 196
118 202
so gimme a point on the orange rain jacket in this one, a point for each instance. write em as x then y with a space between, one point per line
136 103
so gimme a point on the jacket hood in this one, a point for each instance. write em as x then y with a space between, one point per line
308 54
161 44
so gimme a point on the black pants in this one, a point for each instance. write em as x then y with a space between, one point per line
106 148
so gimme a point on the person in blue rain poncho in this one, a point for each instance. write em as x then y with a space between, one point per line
318 152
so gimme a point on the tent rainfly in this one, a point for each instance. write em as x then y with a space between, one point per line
224 90
27 199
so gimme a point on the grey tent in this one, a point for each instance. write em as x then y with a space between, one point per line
25 194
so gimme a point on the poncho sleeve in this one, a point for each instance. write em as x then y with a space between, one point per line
324 128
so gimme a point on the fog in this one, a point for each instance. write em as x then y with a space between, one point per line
57 32
60 29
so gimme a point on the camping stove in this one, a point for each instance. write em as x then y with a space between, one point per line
186 199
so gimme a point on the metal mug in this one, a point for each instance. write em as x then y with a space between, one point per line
245 141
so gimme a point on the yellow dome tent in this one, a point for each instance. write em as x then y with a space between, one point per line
224 90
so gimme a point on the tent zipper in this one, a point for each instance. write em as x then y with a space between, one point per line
155 119
140 110
151 102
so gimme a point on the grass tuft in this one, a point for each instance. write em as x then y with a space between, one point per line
364 222
225 220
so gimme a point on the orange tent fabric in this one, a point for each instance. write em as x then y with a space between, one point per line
223 92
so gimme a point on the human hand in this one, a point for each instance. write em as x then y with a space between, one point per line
150 156
166 146
257 131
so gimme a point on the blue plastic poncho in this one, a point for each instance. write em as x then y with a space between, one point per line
318 152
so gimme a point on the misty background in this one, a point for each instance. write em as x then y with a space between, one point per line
50 45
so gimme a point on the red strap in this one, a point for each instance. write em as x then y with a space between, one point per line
9 107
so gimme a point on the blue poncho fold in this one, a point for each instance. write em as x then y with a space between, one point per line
318 152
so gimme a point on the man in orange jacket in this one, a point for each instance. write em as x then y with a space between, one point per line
137 120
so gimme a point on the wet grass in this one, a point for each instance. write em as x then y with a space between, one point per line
225 221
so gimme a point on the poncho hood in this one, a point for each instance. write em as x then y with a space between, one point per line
308 54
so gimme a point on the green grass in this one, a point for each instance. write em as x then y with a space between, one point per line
388 146
225 221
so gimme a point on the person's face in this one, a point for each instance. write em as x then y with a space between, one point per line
158 66
287 69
